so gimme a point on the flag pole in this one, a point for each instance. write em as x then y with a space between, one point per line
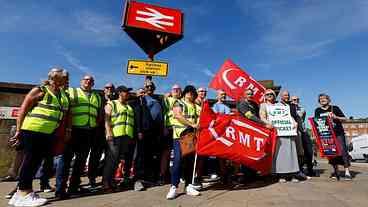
194 167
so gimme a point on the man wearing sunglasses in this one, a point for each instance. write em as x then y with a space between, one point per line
86 113
151 129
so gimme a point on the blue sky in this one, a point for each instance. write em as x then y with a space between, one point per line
306 46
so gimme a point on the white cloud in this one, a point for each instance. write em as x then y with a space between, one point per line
72 60
305 29
208 72
98 28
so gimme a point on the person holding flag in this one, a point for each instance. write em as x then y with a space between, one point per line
186 118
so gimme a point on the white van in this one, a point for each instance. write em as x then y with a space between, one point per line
360 148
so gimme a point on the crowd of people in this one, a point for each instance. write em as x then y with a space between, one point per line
132 139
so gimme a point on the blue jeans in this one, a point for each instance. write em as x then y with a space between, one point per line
179 164
59 173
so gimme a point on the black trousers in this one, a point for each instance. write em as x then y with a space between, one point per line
79 146
36 147
98 146
120 148
147 163
308 152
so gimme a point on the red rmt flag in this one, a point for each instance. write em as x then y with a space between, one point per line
233 80
236 138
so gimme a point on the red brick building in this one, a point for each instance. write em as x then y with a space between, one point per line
355 127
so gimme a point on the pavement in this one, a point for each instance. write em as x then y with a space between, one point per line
318 191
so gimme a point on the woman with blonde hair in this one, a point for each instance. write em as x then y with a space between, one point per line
39 116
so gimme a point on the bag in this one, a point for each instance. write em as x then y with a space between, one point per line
188 142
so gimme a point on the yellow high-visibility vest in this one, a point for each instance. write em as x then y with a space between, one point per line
47 114
190 113
122 119
84 110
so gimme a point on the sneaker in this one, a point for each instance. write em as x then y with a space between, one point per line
47 189
30 200
8 179
333 176
182 180
172 193
138 186
294 180
348 177
10 194
214 177
13 199
197 185
191 191
282 180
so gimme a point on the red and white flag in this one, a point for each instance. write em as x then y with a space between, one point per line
236 138
233 80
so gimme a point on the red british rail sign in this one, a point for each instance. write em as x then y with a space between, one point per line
152 27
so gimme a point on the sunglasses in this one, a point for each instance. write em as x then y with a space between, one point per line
295 99
269 94
202 91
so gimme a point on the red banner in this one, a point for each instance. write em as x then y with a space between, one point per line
236 138
234 81
325 136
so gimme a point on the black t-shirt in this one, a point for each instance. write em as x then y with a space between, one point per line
319 112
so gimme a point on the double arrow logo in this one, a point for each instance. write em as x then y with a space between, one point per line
155 18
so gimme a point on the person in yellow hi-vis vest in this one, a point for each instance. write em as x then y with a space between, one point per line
168 104
39 116
86 111
186 116
119 124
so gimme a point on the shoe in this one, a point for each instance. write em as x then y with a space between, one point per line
301 176
47 189
214 178
13 198
161 181
172 193
282 180
294 180
30 200
182 180
92 183
8 179
11 193
191 191
138 186
348 177
197 186
333 176
61 195
312 174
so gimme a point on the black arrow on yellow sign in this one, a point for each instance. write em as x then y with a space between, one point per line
133 67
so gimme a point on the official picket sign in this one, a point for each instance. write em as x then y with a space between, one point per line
144 67
325 136
281 119
8 112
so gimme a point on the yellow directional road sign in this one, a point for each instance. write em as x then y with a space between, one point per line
144 67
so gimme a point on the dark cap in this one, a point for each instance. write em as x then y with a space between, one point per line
122 89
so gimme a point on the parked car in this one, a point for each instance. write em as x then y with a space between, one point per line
359 147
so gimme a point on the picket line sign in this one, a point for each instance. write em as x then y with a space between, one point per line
281 119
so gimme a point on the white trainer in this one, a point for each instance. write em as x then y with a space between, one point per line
172 193
30 200
191 191
14 198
